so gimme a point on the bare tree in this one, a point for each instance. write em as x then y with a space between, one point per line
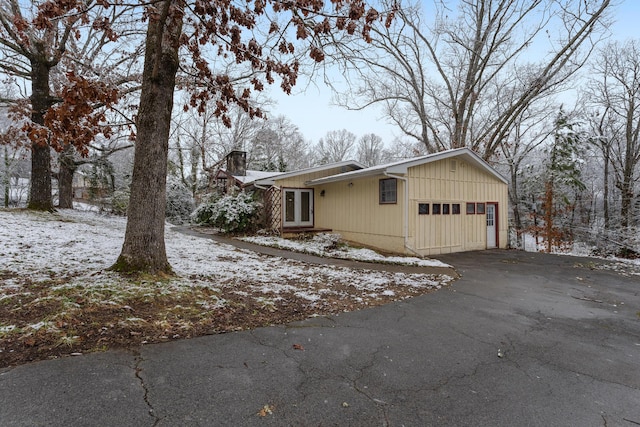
279 146
603 135
100 56
465 79
199 141
184 160
12 159
370 149
615 88
405 148
336 146
527 134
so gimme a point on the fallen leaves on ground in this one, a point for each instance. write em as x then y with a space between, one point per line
265 410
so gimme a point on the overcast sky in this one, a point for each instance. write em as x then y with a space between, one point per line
311 110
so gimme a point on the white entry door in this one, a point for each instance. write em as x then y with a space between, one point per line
298 208
491 225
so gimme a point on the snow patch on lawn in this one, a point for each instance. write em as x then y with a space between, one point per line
8 328
71 248
327 245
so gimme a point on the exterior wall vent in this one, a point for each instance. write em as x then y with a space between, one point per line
454 165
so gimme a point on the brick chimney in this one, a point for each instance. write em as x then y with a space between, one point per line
237 163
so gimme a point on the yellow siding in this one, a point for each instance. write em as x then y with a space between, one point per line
352 209
437 183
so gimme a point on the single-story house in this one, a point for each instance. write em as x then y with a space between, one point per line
451 201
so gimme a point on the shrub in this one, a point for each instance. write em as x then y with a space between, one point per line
180 202
231 214
119 202
627 253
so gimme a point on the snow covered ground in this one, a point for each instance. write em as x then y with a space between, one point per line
327 245
58 298
75 247
579 249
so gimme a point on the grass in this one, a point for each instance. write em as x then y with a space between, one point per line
58 296
70 315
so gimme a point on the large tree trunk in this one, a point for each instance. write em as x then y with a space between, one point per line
40 192
626 192
514 198
144 247
65 178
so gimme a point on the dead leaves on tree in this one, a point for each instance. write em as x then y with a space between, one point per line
75 119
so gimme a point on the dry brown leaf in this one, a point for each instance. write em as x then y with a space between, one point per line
266 410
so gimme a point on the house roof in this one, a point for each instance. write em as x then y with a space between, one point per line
401 167
350 163
250 176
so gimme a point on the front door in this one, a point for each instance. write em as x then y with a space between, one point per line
491 226
298 208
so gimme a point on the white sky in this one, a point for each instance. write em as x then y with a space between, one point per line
311 110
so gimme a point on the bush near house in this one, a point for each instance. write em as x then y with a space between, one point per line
180 202
230 213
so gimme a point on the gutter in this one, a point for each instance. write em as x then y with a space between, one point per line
405 227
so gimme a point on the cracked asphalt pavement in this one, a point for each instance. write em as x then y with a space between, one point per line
520 339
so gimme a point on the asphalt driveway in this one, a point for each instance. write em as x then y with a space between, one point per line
520 339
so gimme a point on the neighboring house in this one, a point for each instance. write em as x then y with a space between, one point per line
451 201
81 185
86 186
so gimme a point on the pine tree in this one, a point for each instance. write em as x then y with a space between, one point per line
563 172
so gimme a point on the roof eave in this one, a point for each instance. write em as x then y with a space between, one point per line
402 168
265 182
271 181
342 177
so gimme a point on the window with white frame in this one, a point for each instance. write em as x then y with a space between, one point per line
297 204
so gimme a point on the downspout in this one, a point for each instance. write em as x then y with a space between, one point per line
405 227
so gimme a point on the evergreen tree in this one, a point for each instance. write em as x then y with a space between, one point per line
563 174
